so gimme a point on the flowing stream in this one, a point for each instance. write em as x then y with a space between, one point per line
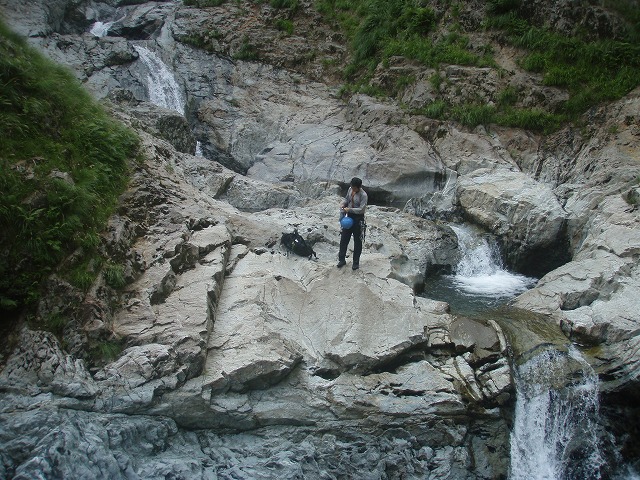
556 433
101 29
163 88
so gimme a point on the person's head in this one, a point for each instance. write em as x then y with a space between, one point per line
356 183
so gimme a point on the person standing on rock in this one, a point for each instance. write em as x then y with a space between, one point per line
353 206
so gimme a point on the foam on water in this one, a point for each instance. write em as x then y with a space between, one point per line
100 29
481 272
163 88
555 435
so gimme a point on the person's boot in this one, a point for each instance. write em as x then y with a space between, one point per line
341 263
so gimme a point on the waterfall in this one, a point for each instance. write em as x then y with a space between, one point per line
480 281
100 29
480 270
161 83
555 433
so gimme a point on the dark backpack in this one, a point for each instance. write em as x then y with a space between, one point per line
294 242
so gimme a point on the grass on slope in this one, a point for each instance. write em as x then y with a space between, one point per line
592 71
63 163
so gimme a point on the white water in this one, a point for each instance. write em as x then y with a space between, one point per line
100 29
481 272
555 427
161 83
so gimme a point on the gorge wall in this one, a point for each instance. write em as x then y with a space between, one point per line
241 361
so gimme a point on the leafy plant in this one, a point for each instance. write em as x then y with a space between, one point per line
285 26
436 81
247 51
632 197
63 164
534 119
55 323
591 71
437 110
507 97
380 29
114 275
105 351
473 114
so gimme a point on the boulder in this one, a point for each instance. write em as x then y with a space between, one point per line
524 214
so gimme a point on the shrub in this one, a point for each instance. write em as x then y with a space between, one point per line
531 119
114 275
247 51
507 97
591 71
105 351
437 110
285 26
472 115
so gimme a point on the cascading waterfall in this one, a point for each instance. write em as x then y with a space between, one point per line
161 83
481 272
100 29
555 434
480 281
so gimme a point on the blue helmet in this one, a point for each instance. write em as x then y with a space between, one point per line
346 222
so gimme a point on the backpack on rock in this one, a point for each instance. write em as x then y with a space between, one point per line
294 242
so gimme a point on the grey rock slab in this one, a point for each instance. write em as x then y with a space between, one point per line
40 365
367 321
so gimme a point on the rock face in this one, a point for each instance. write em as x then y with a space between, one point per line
223 330
525 213
240 360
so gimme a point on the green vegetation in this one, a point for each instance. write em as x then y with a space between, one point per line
474 114
63 164
632 197
103 352
247 51
591 71
114 275
380 29
285 26
202 40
